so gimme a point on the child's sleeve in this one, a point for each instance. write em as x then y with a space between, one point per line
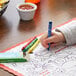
69 32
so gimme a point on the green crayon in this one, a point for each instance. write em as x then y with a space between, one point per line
30 45
10 60
9 57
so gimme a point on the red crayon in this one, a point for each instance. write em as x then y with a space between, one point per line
29 42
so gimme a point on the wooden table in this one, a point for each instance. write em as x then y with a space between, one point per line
14 31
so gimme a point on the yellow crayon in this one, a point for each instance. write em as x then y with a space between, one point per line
34 46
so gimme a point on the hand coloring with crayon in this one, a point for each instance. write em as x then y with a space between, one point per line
56 39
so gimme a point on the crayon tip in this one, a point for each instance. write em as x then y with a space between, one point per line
24 54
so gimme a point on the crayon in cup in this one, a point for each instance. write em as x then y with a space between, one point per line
33 1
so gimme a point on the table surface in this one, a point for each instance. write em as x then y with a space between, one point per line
13 30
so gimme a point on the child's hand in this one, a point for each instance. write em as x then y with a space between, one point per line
55 39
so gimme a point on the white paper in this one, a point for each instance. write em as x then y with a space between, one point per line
47 63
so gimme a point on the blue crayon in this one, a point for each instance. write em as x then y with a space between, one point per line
49 32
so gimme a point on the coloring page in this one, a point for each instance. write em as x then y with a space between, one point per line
59 61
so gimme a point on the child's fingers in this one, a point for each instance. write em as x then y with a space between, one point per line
51 39
43 37
45 44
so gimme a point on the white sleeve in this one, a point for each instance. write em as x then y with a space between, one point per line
69 32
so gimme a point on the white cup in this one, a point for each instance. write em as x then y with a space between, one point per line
26 14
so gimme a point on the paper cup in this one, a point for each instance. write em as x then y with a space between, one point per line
26 10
